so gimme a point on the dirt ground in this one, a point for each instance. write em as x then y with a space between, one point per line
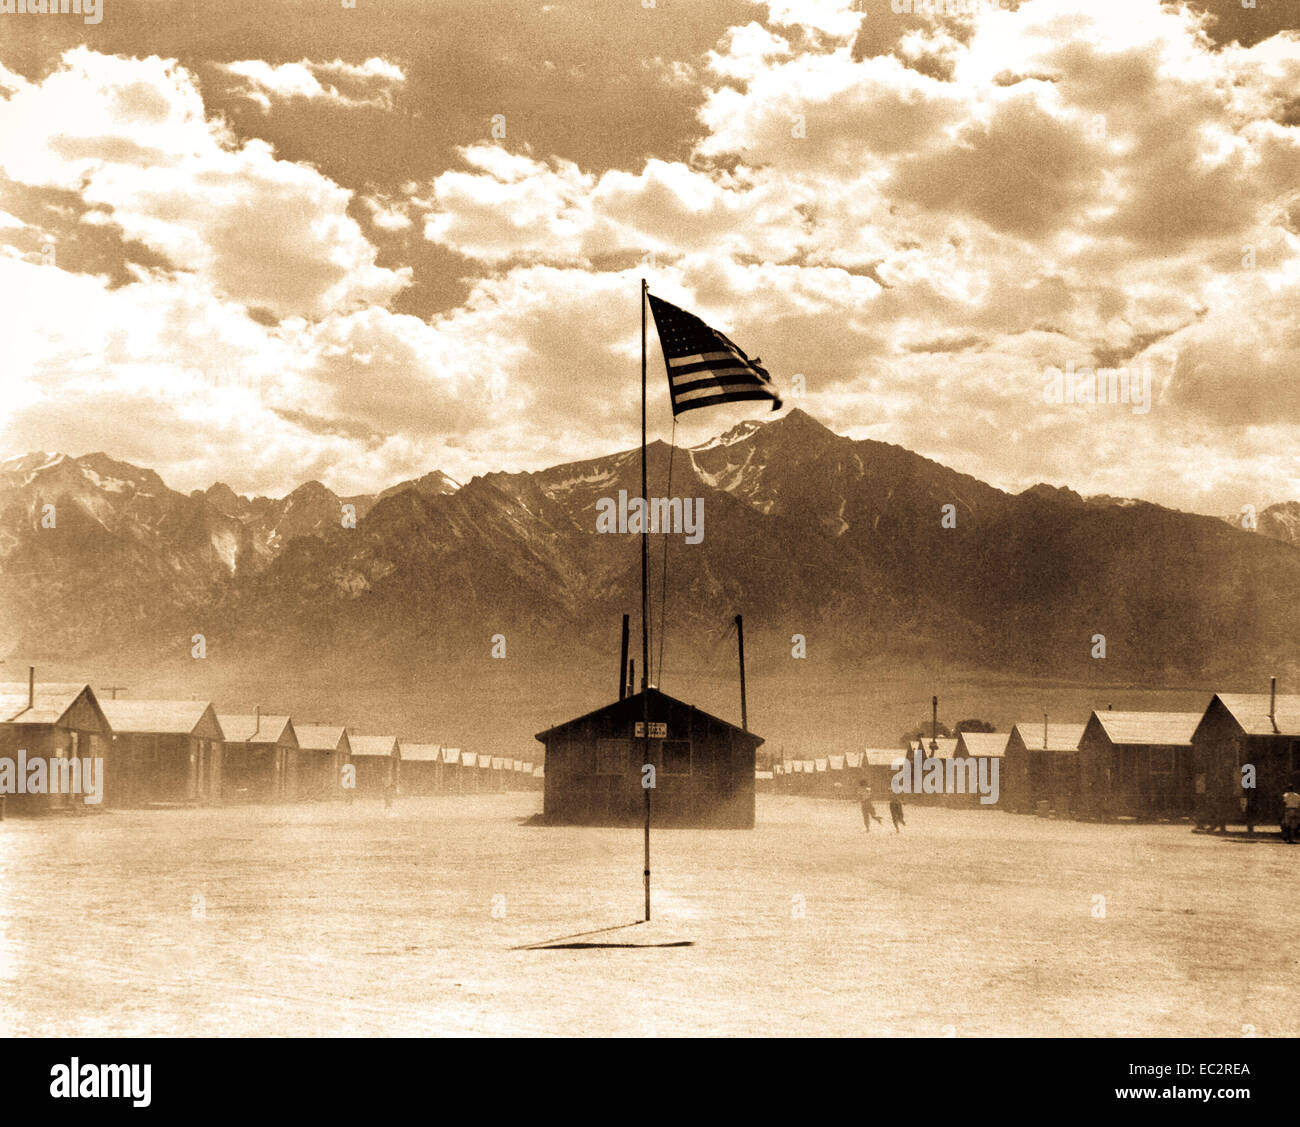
353 920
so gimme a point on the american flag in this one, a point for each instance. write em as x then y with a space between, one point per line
704 367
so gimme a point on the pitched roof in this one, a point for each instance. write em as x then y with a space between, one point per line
52 701
451 755
946 747
1250 710
853 759
1167 728
653 693
173 717
421 753
1060 737
251 728
320 737
883 756
984 745
373 745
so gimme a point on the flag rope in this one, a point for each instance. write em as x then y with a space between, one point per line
663 590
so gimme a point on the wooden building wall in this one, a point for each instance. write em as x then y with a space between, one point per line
258 772
80 732
1032 775
1220 748
421 776
984 766
319 776
166 767
1017 795
880 777
1143 781
704 769
375 772
452 781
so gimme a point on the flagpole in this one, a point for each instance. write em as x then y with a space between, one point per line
645 613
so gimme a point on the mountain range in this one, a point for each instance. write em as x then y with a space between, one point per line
806 532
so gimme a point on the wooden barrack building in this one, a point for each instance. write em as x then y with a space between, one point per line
1260 730
323 751
1137 765
1041 768
259 758
53 722
704 766
165 752
378 763
421 769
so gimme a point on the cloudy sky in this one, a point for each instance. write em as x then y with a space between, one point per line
265 242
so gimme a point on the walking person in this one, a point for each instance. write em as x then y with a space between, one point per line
1201 804
1291 815
867 806
1220 805
896 810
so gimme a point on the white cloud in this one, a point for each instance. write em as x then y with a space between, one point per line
387 215
838 18
350 85
1069 182
131 136
511 206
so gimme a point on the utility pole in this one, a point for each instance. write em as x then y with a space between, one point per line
645 616
115 689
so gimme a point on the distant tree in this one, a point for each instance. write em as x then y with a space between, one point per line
973 726
922 732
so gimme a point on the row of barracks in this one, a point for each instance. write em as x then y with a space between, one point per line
1226 764
186 753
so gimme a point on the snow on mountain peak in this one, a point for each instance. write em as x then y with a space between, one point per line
32 464
110 484
738 433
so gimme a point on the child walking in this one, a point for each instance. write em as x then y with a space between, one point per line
896 811
868 807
